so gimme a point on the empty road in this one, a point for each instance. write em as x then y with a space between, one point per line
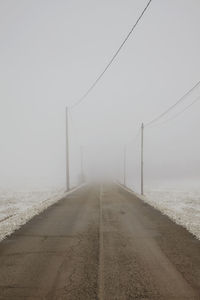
101 242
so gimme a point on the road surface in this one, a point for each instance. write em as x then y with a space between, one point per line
101 242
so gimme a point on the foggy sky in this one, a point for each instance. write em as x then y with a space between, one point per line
52 51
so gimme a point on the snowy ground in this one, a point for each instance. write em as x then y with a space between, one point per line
181 206
17 207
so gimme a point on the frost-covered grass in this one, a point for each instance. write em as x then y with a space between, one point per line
181 206
18 207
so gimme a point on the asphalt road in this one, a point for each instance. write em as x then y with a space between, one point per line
101 242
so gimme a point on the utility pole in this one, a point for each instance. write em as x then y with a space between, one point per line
142 159
124 165
67 151
82 169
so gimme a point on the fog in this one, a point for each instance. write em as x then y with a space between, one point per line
51 53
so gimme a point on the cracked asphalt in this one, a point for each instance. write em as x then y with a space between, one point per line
101 242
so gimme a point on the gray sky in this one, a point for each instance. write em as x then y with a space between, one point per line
52 51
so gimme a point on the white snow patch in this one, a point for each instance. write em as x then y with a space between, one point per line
18 207
181 206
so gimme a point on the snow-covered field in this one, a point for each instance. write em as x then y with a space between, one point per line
181 206
17 207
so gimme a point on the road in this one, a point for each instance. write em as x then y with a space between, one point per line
101 242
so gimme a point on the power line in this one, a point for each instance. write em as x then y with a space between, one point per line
112 59
179 113
173 106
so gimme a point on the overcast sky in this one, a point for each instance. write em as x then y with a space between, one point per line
52 51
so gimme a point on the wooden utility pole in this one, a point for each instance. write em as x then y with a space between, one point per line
67 151
142 159
124 165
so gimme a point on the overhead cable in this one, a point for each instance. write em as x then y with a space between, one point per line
173 106
112 59
178 114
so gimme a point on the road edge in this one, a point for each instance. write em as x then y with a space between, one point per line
17 221
174 219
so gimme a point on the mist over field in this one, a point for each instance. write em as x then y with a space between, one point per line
51 52
99 149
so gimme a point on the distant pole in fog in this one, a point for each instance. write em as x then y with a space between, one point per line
125 165
82 168
142 159
67 151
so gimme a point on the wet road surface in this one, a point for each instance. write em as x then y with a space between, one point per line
101 242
